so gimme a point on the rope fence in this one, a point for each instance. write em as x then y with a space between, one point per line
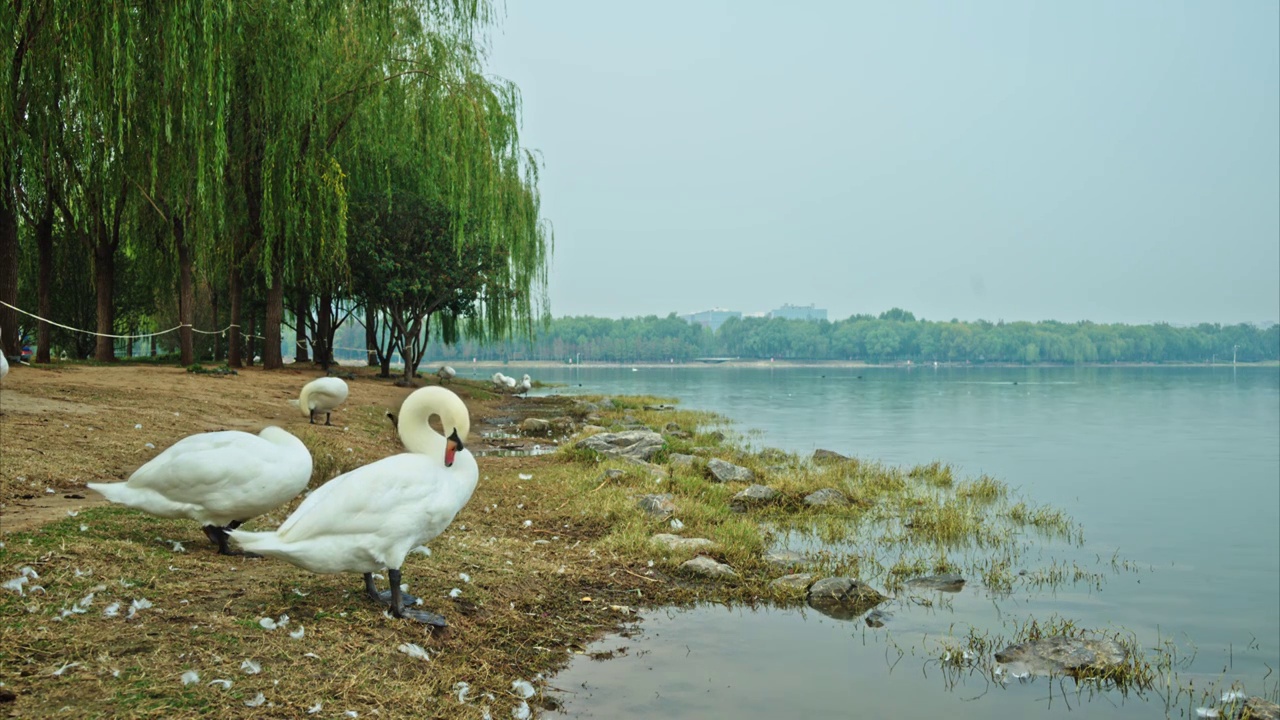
135 336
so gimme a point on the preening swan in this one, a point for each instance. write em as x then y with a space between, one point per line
220 479
322 395
500 381
368 519
526 384
446 373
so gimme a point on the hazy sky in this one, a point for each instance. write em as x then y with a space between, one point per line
1113 161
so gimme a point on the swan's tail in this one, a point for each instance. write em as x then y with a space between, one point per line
263 543
143 499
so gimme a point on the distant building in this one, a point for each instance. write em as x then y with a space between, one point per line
799 312
712 318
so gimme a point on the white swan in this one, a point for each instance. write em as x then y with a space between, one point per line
322 395
4 362
526 384
219 479
446 373
368 519
500 381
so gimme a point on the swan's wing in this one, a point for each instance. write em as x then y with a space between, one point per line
364 500
200 466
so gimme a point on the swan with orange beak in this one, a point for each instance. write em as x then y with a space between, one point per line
370 518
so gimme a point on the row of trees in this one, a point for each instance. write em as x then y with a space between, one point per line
261 163
893 336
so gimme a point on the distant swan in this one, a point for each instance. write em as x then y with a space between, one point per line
370 518
322 395
219 479
4 362
526 384
446 373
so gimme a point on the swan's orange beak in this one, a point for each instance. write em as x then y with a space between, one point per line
451 446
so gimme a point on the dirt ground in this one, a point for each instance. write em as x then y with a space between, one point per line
66 426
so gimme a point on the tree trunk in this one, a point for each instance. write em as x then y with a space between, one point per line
370 338
10 343
186 293
217 338
324 321
252 331
301 314
104 276
234 290
44 283
271 356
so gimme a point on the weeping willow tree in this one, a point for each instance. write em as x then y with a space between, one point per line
440 134
219 134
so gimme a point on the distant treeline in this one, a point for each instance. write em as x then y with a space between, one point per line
893 336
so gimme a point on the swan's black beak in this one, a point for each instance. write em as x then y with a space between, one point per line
451 446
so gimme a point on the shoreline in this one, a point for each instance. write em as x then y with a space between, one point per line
426 368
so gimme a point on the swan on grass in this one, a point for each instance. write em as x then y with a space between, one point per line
219 479
526 384
500 381
322 395
446 373
368 520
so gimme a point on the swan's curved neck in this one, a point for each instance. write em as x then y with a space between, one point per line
415 428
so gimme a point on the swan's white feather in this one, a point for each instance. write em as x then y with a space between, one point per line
217 477
322 395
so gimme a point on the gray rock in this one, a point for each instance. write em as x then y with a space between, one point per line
843 598
826 496
657 472
675 542
724 471
586 408
611 474
715 436
797 581
535 426
785 559
823 457
630 419
562 424
1054 655
671 427
635 444
948 582
681 434
877 618
680 460
753 496
706 567
657 505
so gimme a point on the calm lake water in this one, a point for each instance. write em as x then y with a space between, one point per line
1176 470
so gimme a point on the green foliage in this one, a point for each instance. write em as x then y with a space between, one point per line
890 338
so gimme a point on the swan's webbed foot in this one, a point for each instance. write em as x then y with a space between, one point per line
399 610
423 616
219 537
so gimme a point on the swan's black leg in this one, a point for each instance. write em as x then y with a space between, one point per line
311 417
399 610
219 537
384 597
326 419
